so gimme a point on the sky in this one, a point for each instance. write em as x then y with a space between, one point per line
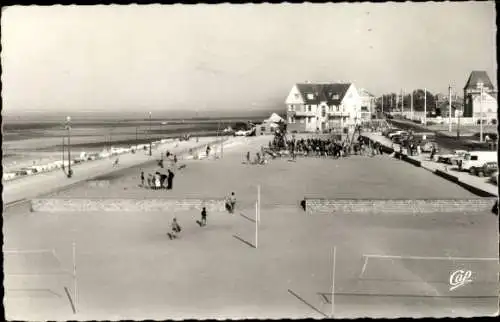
227 58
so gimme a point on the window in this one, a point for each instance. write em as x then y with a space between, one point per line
323 112
296 95
263 129
336 96
309 108
301 121
310 96
338 108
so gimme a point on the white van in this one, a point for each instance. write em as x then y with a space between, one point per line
476 159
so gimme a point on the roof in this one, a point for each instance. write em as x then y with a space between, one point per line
323 93
478 76
275 118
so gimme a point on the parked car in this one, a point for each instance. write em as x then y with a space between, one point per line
451 158
389 130
399 132
487 169
398 139
474 160
21 173
242 133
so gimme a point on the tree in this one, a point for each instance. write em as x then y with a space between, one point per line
419 101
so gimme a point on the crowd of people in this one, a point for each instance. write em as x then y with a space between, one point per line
329 147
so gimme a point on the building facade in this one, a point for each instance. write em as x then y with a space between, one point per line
480 96
316 107
367 104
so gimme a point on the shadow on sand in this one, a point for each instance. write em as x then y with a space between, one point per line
244 241
247 218
306 303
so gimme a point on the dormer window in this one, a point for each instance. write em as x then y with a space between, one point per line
310 96
335 96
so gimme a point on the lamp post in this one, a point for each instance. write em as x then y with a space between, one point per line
449 108
425 106
411 105
480 85
150 138
68 127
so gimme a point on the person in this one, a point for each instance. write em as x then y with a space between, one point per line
142 178
157 181
257 158
248 157
208 150
163 178
303 204
494 210
176 229
204 217
175 158
117 160
230 203
170 179
150 178
433 152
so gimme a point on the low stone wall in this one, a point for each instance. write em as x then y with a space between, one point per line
98 183
399 205
124 205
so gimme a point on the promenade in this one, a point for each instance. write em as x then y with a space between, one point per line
449 172
43 183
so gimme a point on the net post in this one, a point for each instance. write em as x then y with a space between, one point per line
256 225
75 284
333 281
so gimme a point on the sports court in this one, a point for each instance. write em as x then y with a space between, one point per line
122 265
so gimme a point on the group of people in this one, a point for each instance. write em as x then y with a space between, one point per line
158 180
175 227
260 158
331 147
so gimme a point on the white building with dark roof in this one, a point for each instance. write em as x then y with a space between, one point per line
480 94
313 107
